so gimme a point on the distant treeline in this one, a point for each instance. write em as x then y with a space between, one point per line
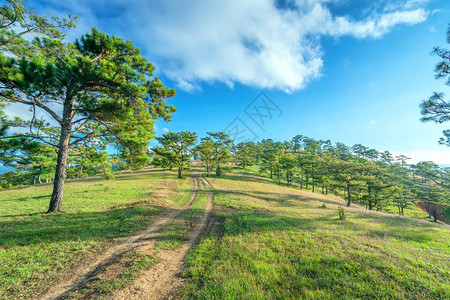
374 178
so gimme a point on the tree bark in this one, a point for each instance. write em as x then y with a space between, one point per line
60 173
218 170
180 172
63 158
435 216
348 193
301 183
80 172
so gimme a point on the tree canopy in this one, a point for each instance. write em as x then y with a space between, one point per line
175 150
99 87
437 108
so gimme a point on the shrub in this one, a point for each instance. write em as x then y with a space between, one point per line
341 213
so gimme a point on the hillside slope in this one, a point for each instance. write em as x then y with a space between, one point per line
265 241
270 241
37 250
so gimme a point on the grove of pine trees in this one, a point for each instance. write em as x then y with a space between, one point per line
98 93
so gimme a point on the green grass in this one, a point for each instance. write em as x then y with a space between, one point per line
37 249
273 242
410 211
126 269
115 277
268 241
177 232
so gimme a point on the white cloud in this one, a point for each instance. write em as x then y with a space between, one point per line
440 157
251 42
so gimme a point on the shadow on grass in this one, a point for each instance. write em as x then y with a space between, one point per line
68 226
121 221
400 228
26 198
20 215
281 198
246 177
293 266
246 218
110 222
242 220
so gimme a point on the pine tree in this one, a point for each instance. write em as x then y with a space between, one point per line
98 87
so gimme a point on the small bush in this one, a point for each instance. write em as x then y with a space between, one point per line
341 213
323 205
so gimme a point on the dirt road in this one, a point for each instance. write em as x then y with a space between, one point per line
163 279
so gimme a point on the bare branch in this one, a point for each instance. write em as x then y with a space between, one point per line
37 103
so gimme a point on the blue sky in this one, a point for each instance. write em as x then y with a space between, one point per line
349 71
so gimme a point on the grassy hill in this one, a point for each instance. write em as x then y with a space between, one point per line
270 241
267 241
37 249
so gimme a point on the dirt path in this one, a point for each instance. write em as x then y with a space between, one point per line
163 280
165 271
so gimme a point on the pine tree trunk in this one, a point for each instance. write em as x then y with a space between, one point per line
63 158
218 170
180 172
60 173
348 193
80 172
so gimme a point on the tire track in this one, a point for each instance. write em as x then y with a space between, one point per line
93 265
164 279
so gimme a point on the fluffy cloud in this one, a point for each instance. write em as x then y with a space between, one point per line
441 157
260 43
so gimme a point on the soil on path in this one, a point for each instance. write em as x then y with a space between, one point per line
163 279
